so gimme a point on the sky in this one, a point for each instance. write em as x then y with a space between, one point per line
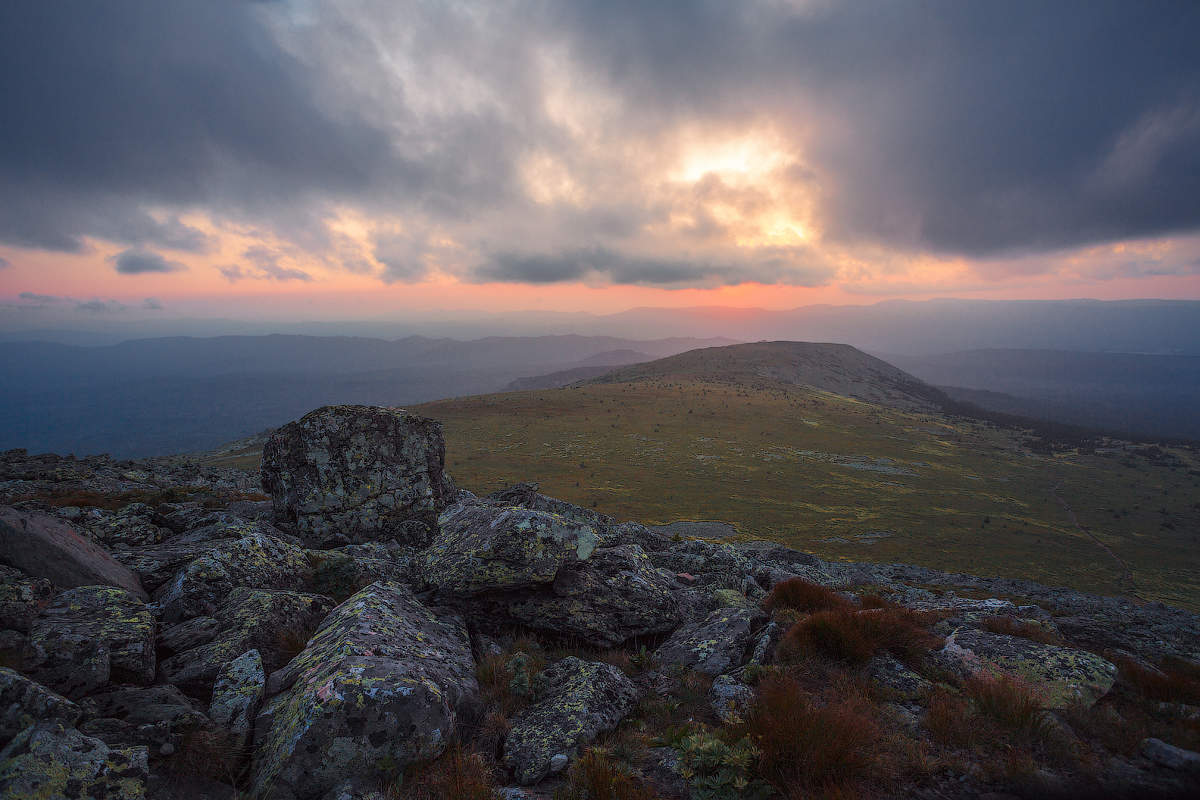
365 157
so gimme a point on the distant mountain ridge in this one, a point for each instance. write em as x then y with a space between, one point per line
837 368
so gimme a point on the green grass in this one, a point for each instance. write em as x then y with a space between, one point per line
787 465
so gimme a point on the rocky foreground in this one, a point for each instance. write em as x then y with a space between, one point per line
353 625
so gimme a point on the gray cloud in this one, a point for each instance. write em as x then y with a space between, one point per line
138 262
34 297
96 306
266 267
152 304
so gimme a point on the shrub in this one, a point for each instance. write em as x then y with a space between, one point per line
803 745
596 776
1024 630
1010 703
457 775
855 636
948 719
801 595
718 770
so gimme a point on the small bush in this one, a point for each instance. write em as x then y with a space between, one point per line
506 679
1024 630
719 770
596 776
801 595
1010 703
854 637
803 745
457 775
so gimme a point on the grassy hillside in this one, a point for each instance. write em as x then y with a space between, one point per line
844 479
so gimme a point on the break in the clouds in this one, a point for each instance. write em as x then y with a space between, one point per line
136 261
665 144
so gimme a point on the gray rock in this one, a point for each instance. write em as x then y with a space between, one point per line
157 564
577 701
236 697
90 635
715 644
347 474
150 716
45 546
341 572
50 761
1063 675
380 685
1170 756
889 672
24 702
275 623
256 559
188 635
730 699
21 598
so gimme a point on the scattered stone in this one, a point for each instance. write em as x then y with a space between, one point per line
730 699
90 635
50 761
714 645
24 702
347 474
577 701
45 546
1170 756
380 685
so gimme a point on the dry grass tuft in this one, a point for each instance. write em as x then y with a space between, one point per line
801 595
1024 630
207 753
806 746
1174 681
596 776
948 718
854 637
458 775
1010 703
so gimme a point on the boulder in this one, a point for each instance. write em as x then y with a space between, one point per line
48 760
576 702
1063 675
1170 756
45 546
90 635
347 474
21 598
158 717
24 702
188 635
236 697
157 564
714 645
256 559
730 699
277 624
341 572
381 685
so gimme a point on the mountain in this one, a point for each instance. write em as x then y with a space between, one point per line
836 368
157 396
591 367
1147 395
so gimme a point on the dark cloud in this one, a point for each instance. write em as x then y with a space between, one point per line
603 264
138 262
34 297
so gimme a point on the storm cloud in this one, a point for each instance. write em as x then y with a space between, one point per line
536 143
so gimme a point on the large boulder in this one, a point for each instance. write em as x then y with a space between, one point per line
714 645
48 547
257 559
348 474
1063 675
276 624
21 598
514 565
50 761
90 635
576 702
381 685
158 717
24 702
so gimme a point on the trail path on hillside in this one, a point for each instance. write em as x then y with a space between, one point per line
1127 585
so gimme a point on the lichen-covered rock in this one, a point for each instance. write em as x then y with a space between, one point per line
715 644
151 716
90 635
48 547
614 595
730 699
341 572
347 474
576 702
50 762
256 559
1065 676
380 685
905 684
275 623
157 564
24 702
188 635
132 526
21 598
483 548
236 697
